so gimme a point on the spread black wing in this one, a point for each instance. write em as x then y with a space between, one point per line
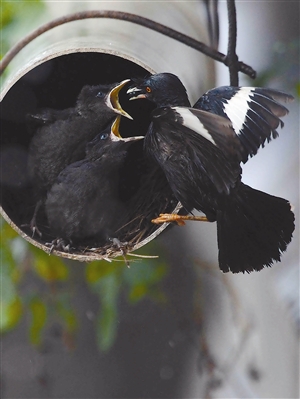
254 112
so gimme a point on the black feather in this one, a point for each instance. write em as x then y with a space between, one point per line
83 205
258 121
201 161
61 136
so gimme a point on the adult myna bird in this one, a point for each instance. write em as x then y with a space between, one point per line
254 112
200 151
61 135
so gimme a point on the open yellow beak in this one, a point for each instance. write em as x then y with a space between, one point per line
115 127
113 99
116 133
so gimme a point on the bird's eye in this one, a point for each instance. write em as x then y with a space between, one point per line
148 89
100 94
103 136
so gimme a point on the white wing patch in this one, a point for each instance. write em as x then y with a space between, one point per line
193 123
237 107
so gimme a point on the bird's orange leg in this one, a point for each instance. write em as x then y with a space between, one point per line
179 219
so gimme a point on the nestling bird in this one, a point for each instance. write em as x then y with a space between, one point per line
200 153
83 205
61 135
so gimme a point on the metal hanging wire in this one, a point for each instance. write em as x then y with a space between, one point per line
147 23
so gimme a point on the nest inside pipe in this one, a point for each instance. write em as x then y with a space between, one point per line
55 83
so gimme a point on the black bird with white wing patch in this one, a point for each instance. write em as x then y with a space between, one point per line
200 153
254 112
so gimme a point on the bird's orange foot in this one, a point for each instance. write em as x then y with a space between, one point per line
179 219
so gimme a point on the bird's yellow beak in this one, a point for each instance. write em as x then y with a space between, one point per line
113 99
115 127
116 133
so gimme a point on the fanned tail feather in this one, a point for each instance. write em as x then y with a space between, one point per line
253 230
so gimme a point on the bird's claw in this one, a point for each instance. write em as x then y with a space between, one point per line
122 246
179 219
59 245
36 230
117 243
33 225
168 218
33 228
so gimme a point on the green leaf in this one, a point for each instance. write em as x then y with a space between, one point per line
298 89
14 10
137 292
98 269
7 232
66 312
18 18
107 327
38 320
6 259
11 314
107 320
49 267
8 289
13 250
11 306
143 279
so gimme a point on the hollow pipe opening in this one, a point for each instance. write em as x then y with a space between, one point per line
56 83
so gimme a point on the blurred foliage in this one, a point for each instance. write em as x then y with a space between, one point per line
11 304
142 280
50 296
16 19
40 288
285 62
38 312
49 268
